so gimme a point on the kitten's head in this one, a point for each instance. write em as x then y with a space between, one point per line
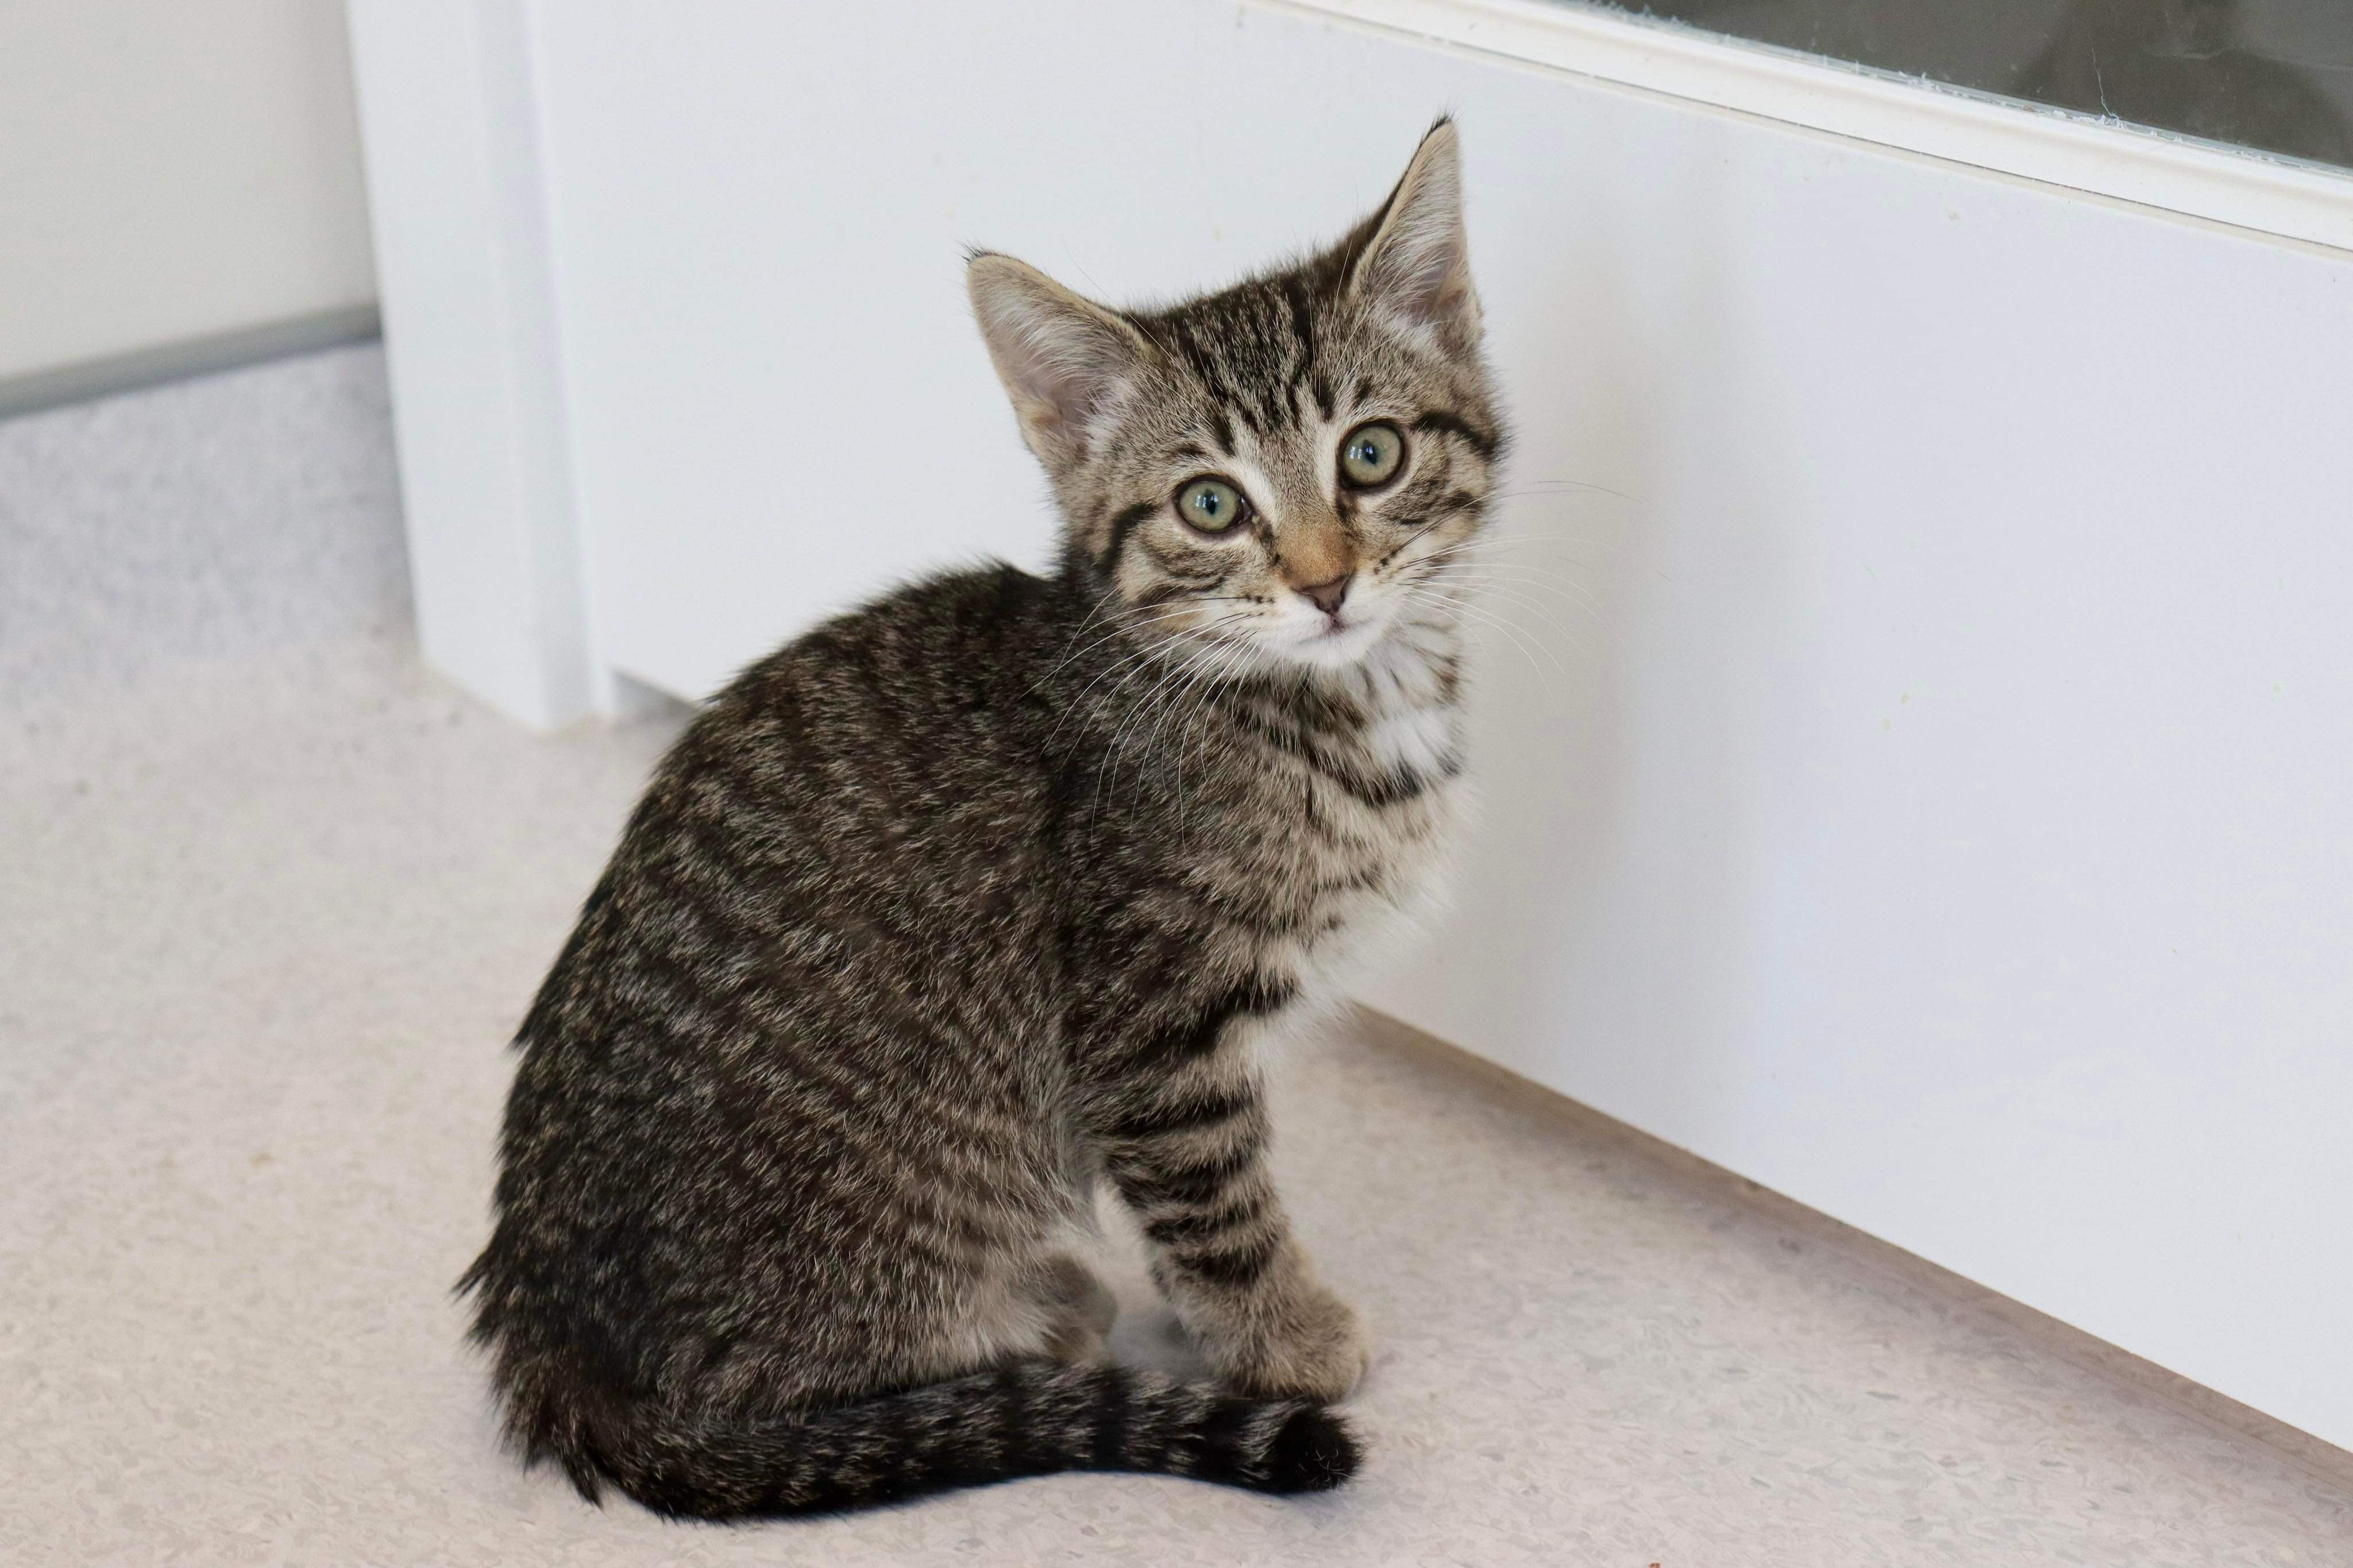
1283 469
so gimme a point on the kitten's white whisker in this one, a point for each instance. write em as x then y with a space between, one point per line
1576 637
1151 618
1527 645
1128 664
1537 596
1213 669
1571 484
1474 557
1472 571
1236 658
1151 701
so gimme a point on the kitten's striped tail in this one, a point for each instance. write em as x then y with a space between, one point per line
1028 1418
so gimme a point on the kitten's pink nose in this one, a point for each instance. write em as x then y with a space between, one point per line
1327 596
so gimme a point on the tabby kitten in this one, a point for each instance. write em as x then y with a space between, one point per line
993 890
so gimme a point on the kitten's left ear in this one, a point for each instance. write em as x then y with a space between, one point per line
1416 267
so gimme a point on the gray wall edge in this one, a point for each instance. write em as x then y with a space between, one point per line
40 389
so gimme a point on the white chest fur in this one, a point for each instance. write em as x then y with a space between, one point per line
1380 862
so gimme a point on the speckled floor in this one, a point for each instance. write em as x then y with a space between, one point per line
269 904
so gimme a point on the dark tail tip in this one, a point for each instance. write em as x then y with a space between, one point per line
1314 1452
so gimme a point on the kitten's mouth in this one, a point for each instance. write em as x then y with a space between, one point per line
1336 641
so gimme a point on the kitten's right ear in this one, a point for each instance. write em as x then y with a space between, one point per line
1066 362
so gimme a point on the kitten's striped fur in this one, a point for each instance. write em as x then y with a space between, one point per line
991 891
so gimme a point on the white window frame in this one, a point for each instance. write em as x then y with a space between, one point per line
2104 158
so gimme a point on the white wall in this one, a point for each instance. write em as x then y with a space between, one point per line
170 171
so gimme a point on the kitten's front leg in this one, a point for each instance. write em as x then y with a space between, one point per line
1187 1148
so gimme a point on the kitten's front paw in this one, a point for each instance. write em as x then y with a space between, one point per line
1313 1346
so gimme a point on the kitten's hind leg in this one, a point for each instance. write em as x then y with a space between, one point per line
1079 1307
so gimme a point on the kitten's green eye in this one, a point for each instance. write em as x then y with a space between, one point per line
1212 506
1370 454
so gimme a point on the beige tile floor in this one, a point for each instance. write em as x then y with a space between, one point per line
265 922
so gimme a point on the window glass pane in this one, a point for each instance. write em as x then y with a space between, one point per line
2275 75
